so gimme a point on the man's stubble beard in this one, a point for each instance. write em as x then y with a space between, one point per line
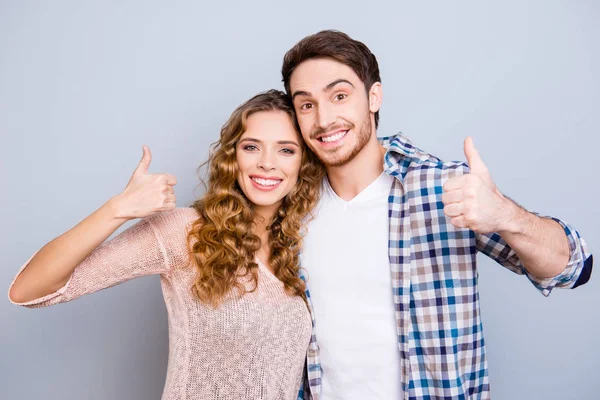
363 136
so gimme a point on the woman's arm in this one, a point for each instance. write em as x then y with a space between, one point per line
53 265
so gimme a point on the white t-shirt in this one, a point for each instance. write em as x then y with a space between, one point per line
346 256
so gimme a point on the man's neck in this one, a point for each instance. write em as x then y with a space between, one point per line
349 180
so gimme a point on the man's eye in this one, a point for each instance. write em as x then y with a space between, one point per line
305 106
341 96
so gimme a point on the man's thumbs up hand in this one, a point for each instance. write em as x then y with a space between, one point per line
472 201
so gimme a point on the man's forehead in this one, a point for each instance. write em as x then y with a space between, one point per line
315 74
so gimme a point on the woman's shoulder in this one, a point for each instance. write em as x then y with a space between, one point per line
173 226
173 220
171 229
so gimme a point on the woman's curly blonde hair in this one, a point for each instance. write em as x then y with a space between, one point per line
221 241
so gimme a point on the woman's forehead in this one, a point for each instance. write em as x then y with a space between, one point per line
270 126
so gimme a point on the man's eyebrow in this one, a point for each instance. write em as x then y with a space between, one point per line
336 82
300 93
327 88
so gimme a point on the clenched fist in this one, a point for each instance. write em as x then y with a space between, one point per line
473 201
146 194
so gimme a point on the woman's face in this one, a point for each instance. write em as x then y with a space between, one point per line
268 156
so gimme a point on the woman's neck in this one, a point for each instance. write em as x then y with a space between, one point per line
262 219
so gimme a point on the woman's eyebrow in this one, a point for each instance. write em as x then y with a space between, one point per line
288 142
249 139
253 140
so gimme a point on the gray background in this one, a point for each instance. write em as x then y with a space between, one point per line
84 84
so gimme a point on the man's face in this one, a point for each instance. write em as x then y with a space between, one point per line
333 109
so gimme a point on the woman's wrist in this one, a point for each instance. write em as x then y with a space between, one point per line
114 210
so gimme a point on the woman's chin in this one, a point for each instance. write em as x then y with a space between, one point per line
265 201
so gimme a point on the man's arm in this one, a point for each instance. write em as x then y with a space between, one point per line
547 249
540 243
576 273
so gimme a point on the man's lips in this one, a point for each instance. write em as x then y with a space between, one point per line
330 133
333 136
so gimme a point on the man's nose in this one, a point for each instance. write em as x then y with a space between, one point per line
325 117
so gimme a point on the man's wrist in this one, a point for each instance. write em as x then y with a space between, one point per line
513 218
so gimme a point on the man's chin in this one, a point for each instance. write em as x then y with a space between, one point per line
337 159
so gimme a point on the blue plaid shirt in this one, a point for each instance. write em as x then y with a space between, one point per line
434 271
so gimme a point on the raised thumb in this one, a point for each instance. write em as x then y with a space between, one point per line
144 164
476 164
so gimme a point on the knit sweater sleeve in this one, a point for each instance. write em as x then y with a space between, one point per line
138 251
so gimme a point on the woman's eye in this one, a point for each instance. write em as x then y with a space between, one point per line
250 147
288 151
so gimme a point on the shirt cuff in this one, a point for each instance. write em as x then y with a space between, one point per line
41 301
569 276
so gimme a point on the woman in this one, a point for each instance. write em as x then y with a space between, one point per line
238 324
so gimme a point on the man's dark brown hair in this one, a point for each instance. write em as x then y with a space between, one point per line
339 47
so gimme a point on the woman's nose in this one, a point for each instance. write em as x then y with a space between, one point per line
266 162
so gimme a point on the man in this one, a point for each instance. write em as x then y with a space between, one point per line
389 206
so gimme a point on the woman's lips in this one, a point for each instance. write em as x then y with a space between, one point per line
265 184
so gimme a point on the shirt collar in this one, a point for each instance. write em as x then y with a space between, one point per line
400 152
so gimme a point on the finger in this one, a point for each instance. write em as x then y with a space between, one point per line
168 190
459 222
453 196
170 198
456 182
167 207
476 164
144 164
170 179
454 209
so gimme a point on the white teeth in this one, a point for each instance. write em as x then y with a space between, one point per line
334 138
265 182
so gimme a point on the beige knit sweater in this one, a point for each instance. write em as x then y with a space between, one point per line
253 347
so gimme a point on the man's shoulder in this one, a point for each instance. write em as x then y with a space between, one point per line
416 167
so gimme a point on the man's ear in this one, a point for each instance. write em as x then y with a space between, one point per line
375 96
